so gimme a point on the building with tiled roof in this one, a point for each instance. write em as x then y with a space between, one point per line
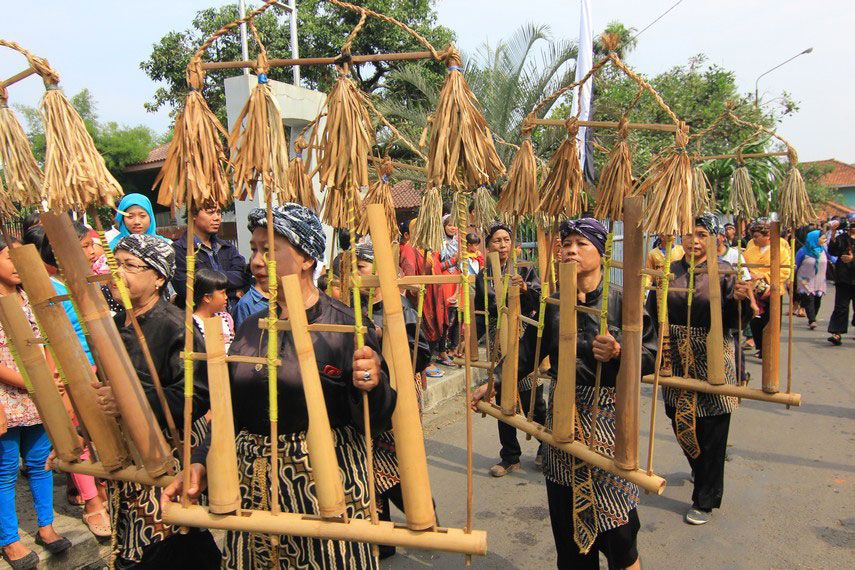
841 178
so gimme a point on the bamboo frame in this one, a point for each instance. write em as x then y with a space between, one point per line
715 336
738 156
21 75
734 390
337 60
510 389
606 125
130 474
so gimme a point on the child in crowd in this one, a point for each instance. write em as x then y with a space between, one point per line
256 298
210 300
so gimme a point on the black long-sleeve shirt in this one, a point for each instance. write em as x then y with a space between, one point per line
529 299
839 245
410 320
163 329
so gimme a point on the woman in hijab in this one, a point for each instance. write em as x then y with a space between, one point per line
135 215
811 263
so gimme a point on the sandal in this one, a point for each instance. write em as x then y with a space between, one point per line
434 372
835 340
98 527
446 361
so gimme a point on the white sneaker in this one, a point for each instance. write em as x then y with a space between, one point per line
697 516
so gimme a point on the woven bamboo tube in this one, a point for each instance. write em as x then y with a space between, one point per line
772 332
319 439
406 425
115 366
221 463
715 337
628 386
39 380
69 356
510 368
564 406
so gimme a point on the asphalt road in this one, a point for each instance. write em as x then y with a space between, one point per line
789 497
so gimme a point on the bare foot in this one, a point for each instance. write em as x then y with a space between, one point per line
48 534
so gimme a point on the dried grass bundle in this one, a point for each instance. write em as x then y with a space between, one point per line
519 195
562 189
427 233
76 176
702 196
742 202
23 177
7 208
300 187
259 148
616 179
667 186
793 201
485 207
381 193
345 145
460 139
195 162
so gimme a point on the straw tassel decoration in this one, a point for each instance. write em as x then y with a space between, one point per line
195 162
562 189
667 188
260 150
462 152
381 193
485 207
345 146
300 187
616 179
794 204
742 199
23 177
427 233
703 199
520 192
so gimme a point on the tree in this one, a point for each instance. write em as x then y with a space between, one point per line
322 29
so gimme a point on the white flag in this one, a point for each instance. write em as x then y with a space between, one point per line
584 62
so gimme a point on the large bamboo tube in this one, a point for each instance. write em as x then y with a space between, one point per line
132 474
319 438
715 337
734 390
355 530
651 483
406 425
221 463
39 379
772 332
499 296
564 399
114 363
628 386
510 366
69 356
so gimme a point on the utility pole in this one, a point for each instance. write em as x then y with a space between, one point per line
757 82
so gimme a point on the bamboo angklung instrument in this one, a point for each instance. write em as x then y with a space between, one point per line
38 379
221 462
715 336
69 356
114 364
564 416
407 428
509 388
772 332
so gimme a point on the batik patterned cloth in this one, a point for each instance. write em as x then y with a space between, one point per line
16 402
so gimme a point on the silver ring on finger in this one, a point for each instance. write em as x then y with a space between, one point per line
366 375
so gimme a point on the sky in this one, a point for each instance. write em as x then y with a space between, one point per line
99 44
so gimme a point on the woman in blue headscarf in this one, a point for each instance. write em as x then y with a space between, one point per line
811 260
135 215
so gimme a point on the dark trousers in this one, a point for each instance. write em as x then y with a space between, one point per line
811 305
196 549
511 452
617 544
708 467
759 323
843 297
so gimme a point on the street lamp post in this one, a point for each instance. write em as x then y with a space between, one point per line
757 82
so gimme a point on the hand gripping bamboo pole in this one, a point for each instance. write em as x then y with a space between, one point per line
38 378
564 400
771 348
510 368
115 365
628 387
715 337
407 428
221 463
69 356
319 438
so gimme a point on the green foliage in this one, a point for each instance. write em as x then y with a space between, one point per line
818 192
322 29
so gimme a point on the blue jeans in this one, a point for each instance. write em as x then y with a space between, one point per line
31 443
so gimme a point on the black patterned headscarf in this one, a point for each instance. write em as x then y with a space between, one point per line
365 252
709 222
588 228
496 226
152 250
298 224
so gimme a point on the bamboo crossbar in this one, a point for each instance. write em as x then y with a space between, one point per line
528 321
283 325
303 61
482 365
17 77
792 399
588 310
607 125
355 530
132 474
650 483
373 282
401 165
234 357
737 156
